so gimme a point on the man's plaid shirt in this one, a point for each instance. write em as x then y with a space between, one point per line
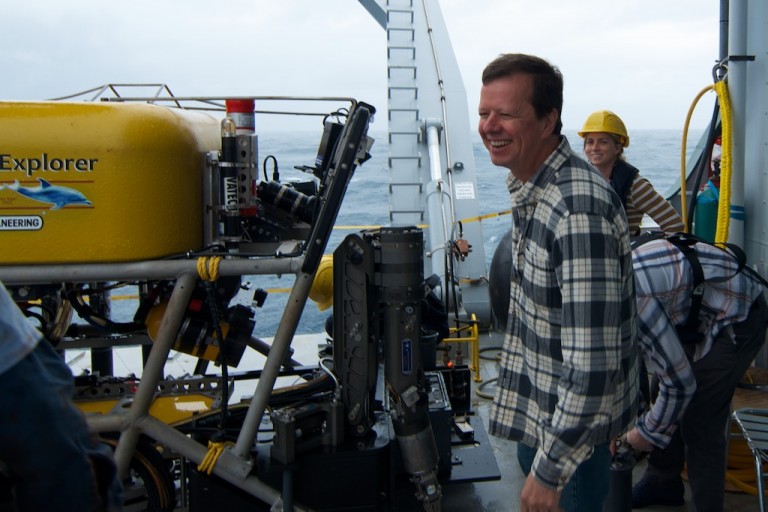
569 366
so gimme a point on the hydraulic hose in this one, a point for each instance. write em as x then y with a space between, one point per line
683 151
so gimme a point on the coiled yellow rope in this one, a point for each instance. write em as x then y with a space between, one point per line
208 267
724 205
215 450
740 471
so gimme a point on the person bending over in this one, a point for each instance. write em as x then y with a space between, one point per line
697 369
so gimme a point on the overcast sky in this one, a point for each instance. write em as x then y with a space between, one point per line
644 59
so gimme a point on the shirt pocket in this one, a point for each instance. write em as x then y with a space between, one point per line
539 281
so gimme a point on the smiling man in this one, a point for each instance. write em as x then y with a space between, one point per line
568 377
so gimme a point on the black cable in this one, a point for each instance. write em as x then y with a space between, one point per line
479 391
75 297
275 172
449 282
214 310
487 349
338 114
37 316
702 164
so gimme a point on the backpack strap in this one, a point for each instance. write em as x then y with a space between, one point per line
647 237
688 331
739 254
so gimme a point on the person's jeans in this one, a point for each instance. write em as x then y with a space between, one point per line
45 441
587 488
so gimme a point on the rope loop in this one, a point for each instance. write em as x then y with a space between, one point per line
215 449
208 267
720 71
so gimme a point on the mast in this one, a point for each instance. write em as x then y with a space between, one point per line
737 92
432 181
748 90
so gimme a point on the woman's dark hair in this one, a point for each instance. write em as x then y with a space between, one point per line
547 81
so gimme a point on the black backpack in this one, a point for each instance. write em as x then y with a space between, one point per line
688 331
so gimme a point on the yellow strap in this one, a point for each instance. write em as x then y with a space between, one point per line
212 456
208 267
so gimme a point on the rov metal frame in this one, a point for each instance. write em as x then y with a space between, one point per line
235 464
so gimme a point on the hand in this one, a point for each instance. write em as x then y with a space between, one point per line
537 498
638 442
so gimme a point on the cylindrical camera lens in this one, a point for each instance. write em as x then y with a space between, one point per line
287 199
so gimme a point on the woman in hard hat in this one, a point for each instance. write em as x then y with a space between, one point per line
605 138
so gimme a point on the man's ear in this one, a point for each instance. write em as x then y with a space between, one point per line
551 121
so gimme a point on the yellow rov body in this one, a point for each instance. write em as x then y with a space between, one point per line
101 182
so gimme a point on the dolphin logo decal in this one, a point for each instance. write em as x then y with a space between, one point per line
53 194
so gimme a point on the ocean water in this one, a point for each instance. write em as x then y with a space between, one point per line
655 152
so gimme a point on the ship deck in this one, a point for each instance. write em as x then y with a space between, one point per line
487 496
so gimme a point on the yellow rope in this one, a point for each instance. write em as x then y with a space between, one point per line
740 471
683 198
724 205
485 216
208 267
212 456
466 220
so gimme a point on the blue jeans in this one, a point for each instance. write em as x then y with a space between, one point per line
55 462
587 488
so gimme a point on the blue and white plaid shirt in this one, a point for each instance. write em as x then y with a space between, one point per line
664 283
569 367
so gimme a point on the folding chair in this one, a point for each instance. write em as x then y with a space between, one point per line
754 426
